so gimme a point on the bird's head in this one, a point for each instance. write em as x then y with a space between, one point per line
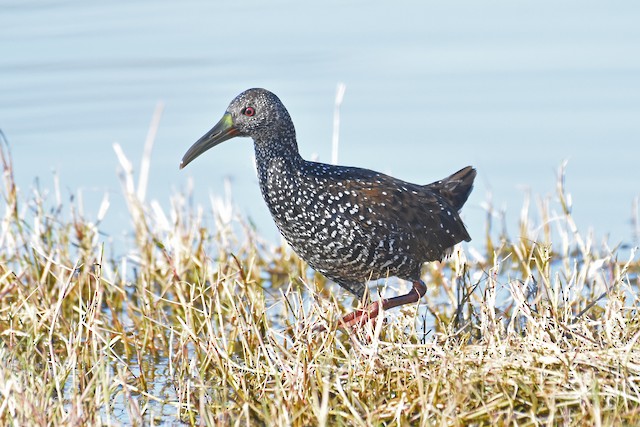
256 113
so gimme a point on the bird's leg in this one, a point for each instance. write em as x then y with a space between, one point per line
359 317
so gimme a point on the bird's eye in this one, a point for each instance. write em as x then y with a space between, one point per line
249 111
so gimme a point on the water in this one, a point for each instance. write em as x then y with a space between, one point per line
513 89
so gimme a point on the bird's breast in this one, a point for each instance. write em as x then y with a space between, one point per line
326 224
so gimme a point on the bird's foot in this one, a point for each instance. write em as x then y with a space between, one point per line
360 317
357 319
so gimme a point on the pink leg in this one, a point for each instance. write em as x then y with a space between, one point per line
359 317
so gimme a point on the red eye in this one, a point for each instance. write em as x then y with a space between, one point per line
249 111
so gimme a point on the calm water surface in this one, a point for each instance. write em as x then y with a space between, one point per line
431 87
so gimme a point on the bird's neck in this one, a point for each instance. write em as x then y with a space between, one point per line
278 162
284 148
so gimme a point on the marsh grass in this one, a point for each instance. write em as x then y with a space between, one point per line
206 324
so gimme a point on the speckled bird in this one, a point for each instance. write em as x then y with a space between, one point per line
350 224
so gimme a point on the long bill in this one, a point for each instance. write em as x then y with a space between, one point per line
222 131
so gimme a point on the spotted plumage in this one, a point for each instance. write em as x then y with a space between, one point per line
350 224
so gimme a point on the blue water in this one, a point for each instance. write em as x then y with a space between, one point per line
513 88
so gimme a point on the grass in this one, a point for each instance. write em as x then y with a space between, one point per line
210 325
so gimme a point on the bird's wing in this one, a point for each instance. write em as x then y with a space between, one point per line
395 208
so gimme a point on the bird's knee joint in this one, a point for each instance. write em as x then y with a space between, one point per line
420 288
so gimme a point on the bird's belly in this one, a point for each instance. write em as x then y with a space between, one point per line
342 248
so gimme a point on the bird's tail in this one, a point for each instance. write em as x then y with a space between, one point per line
457 187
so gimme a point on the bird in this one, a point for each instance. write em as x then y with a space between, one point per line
350 224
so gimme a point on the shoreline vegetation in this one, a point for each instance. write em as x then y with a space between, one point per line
213 325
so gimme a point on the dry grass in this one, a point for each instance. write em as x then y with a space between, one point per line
209 325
